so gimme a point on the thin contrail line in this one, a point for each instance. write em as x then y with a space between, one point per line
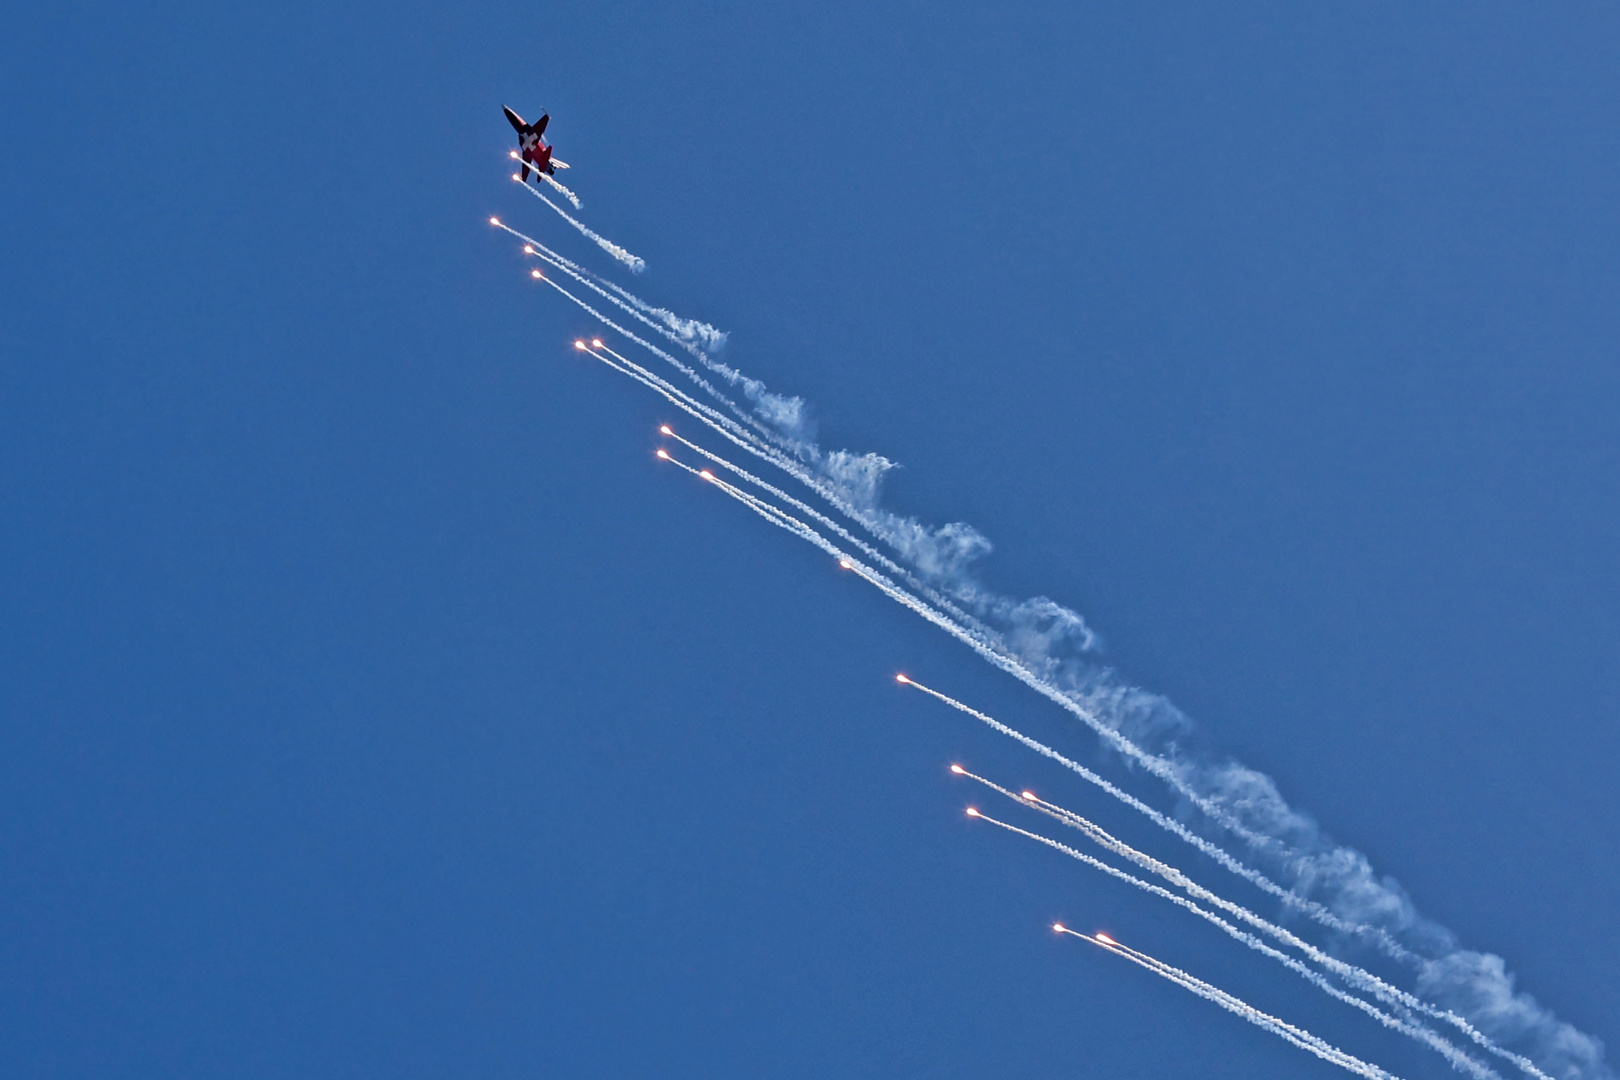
1230 1002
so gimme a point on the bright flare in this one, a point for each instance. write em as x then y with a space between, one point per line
1105 939
664 454
706 474
663 429
597 342
846 564
579 344
958 770
1059 928
972 812
901 678
494 221
1030 795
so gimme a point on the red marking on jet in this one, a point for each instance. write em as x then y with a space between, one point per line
532 149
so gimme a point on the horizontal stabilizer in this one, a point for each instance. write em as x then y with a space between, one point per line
559 164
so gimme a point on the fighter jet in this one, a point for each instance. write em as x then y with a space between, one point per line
533 149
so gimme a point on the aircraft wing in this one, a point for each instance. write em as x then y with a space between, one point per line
514 119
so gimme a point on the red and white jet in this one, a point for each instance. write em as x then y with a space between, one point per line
533 150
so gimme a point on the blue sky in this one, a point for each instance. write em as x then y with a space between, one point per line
372 704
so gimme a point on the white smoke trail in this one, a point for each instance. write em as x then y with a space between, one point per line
791 524
992 649
1355 975
797 527
1300 1037
764 510
784 520
1164 821
1351 973
903 534
1417 1031
741 438
889 565
763 441
573 199
1235 1004
1290 1032
772 412
724 425
693 335
634 262
1358 976
1152 814
1361 977
1032 647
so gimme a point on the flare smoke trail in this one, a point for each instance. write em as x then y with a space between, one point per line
1415 1031
1045 646
1198 985
573 200
1164 821
799 528
699 339
1363 977
762 508
771 408
786 521
1418 1032
1356 975
1351 973
634 262
838 530
752 434
726 428
1359 976
693 335
1290 1032
721 423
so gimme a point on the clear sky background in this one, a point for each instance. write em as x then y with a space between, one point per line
373 704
